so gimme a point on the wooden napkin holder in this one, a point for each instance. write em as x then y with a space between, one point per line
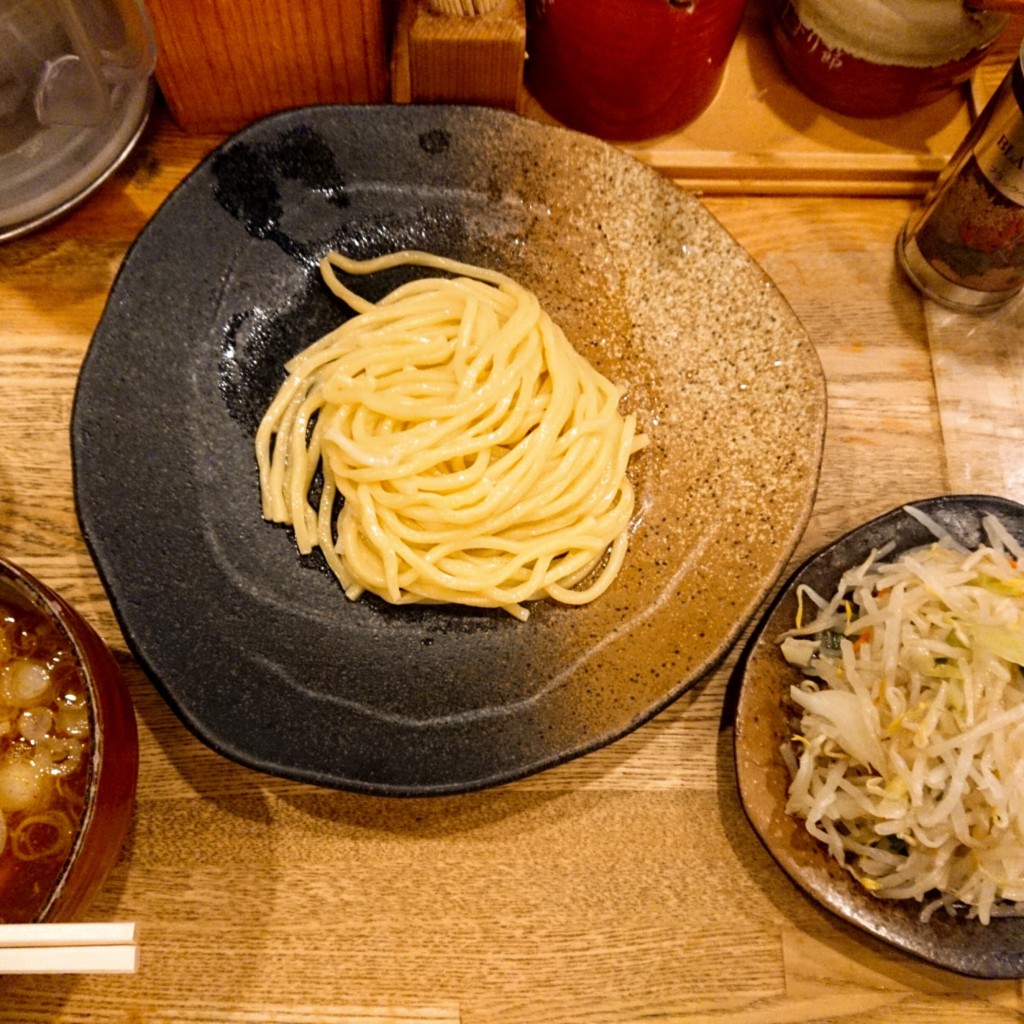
459 58
223 63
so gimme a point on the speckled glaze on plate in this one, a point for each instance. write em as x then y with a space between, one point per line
762 713
256 649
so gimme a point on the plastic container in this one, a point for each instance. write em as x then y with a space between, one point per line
75 92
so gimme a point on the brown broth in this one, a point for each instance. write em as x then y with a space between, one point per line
27 882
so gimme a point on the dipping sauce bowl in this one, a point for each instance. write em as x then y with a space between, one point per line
68 754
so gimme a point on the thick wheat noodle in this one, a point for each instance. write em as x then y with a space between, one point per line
482 460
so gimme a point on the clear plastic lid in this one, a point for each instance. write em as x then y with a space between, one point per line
75 89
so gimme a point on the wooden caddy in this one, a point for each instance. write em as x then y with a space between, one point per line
459 58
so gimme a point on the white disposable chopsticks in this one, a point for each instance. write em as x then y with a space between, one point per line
74 948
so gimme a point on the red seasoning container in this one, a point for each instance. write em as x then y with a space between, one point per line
964 247
626 70
880 58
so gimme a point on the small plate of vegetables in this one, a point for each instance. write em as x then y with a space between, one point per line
879 734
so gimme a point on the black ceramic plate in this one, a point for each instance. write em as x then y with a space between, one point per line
256 649
995 950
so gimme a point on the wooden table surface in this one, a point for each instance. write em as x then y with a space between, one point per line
625 886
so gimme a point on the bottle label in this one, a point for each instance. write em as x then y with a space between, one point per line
1000 150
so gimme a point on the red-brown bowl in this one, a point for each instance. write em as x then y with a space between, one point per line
113 753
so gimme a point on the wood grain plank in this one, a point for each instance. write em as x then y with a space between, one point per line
219 66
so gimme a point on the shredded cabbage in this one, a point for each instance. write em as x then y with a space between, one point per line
908 760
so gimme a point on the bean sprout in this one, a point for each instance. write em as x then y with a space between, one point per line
908 760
